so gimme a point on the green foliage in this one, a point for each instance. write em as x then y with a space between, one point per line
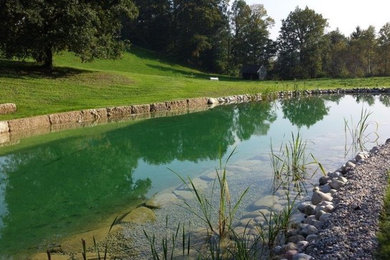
384 50
250 41
300 44
38 29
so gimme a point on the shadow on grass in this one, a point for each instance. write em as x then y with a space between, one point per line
171 61
24 69
191 74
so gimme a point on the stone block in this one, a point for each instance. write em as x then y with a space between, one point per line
4 138
26 124
197 102
176 105
4 127
89 115
122 111
7 108
158 107
140 109
66 118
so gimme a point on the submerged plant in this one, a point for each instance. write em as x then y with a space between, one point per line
358 135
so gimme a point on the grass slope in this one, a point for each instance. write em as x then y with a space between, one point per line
139 77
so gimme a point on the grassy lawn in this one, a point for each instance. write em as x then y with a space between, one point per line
139 77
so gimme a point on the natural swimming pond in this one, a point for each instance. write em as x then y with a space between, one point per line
63 183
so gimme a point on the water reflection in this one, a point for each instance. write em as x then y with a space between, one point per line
64 185
304 111
385 100
365 98
254 119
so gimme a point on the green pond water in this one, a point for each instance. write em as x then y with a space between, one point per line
60 184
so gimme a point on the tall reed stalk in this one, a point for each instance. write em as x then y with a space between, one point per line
290 164
225 211
358 135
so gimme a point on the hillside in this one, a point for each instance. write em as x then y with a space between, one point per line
138 77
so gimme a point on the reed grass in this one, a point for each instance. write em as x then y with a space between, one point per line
358 135
290 164
226 209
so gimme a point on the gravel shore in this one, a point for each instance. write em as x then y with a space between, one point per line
350 232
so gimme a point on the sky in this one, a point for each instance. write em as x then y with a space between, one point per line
342 14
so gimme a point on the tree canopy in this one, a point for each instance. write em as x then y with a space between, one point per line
300 44
218 36
39 28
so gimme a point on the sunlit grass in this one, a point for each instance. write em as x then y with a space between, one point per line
140 76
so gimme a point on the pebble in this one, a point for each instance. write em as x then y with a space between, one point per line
319 196
324 180
308 230
307 208
354 217
311 238
290 246
336 184
301 245
296 238
350 164
325 188
334 174
324 217
291 253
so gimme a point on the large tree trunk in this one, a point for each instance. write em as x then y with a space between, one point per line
48 61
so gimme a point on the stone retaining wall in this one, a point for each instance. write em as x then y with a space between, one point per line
59 121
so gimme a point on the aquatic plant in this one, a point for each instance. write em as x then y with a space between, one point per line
290 164
360 133
225 211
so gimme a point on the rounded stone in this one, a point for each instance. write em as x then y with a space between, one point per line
308 230
325 188
319 196
311 238
290 246
301 245
291 253
324 217
295 239
323 180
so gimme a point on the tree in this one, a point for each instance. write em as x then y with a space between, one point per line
38 28
384 49
153 27
300 44
251 43
200 28
335 54
362 45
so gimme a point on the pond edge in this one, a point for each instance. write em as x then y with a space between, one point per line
15 129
